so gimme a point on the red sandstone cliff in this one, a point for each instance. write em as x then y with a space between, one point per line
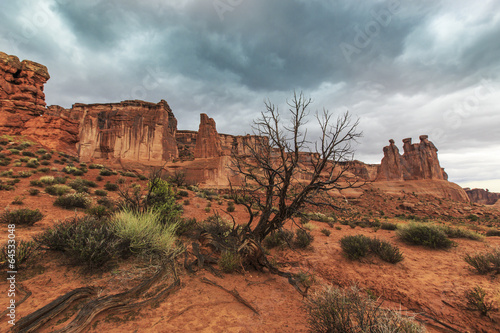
130 131
207 139
483 197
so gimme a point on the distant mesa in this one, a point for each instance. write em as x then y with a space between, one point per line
137 134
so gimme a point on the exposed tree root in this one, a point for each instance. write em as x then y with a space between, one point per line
118 303
27 294
232 292
33 321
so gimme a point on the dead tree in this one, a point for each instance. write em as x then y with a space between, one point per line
284 171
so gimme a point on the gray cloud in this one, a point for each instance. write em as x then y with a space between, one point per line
405 68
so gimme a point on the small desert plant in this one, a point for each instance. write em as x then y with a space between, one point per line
386 251
18 200
25 174
81 185
492 232
111 186
24 250
33 191
336 311
303 238
326 232
476 301
73 200
95 166
355 247
47 180
46 157
427 235
98 211
33 163
145 232
279 237
41 151
120 181
229 262
186 202
101 193
388 226
28 153
87 241
57 189
484 263
105 172
207 209
183 193
72 170
452 232
21 216
98 178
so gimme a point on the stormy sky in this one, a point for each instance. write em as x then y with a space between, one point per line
405 68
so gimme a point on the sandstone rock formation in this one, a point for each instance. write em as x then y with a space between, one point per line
419 161
482 196
21 92
207 139
130 131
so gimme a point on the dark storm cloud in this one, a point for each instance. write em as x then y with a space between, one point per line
404 67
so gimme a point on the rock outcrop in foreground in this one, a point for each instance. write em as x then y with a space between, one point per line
419 161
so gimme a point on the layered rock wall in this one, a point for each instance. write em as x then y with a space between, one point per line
207 140
128 131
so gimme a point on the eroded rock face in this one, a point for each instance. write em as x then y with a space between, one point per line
419 161
21 92
207 140
132 131
390 167
482 196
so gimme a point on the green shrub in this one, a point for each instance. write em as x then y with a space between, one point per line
98 178
185 225
452 232
36 182
81 185
46 157
303 238
60 180
355 247
28 153
426 235
33 191
57 189
87 241
95 166
105 172
186 202
492 232
73 200
41 151
279 237
44 170
183 193
388 226
111 186
99 212
326 232
128 174
120 181
6 187
336 311
207 209
47 180
72 170
162 199
106 202
229 262
14 151
485 263
21 216
101 193
24 250
33 163
142 177
386 251
145 232
25 174
476 301
18 200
